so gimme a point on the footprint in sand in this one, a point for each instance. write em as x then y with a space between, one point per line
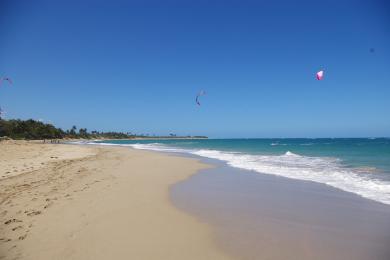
16 228
48 205
14 220
23 237
33 213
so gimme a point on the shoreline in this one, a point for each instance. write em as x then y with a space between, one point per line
368 180
102 202
265 216
111 203
138 138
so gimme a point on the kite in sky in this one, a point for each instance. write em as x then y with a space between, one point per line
5 79
201 93
320 75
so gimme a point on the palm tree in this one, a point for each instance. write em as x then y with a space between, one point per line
73 130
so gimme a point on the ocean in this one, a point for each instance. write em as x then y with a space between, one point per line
357 165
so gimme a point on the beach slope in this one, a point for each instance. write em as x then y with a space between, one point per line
85 202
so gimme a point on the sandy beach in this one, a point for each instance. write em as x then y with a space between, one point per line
62 201
204 130
85 202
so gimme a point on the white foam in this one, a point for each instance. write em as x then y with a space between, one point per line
317 169
95 143
159 147
323 170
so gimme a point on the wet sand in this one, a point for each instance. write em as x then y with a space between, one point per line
89 202
258 216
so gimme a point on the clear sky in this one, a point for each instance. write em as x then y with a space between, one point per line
137 66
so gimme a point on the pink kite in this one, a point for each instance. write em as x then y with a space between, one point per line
320 75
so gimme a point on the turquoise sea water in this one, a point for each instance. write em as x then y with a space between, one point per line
358 165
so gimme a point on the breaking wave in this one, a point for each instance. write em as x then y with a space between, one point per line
324 170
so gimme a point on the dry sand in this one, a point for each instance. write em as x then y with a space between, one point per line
84 202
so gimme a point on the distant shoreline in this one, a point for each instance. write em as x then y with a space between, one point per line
161 138
17 129
136 138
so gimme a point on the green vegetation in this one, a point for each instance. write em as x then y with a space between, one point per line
29 129
37 130
33 130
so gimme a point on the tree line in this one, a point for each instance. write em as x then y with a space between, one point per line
37 130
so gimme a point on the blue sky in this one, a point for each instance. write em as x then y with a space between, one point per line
137 66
